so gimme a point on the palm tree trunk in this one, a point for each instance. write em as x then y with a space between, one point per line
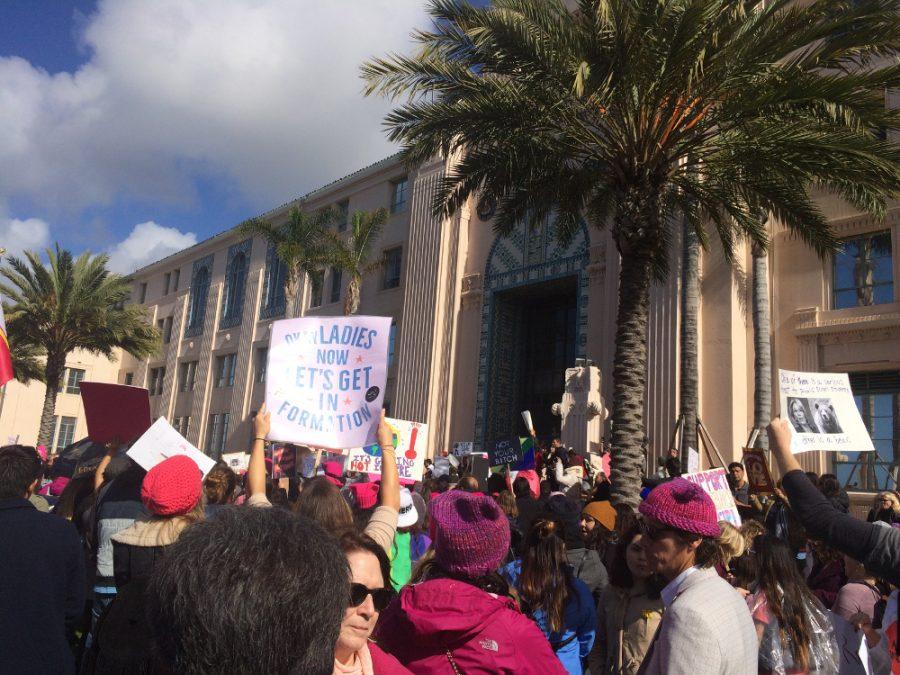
690 309
630 379
52 375
351 299
291 288
762 348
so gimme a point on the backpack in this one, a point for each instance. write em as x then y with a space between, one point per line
123 641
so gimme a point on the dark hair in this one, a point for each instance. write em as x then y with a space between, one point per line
253 590
545 489
813 477
468 483
546 579
322 502
20 466
735 464
619 574
220 484
786 594
521 488
829 485
353 540
77 490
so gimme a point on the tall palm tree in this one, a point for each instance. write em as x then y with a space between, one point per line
690 314
628 112
27 360
762 347
67 304
302 244
353 254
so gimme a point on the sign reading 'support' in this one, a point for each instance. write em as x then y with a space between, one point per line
325 379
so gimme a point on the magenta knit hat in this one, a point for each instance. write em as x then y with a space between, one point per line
58 485
684 506
365 494
333 472
470 533
172 487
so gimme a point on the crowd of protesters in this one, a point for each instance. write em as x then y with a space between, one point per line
166 571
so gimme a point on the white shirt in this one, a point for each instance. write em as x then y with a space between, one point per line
671 590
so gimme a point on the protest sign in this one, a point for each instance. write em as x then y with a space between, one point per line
160 442
822 412
461 449
284 461
715 484
441 467
238 462
479 465
506 451
757 470
693 460
598 463
115 412
325 379
410 448
528 460
529 424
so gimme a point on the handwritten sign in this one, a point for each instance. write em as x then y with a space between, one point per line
822 413
115 412
715 484
506 451
325 379
693 460
160 442
463 448
410 443
757 470
238 462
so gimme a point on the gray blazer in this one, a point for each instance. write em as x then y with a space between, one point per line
707 630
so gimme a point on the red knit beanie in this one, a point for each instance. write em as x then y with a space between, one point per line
172 487
683 505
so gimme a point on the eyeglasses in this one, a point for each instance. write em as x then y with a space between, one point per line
381 597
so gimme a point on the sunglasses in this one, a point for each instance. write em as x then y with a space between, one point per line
381 597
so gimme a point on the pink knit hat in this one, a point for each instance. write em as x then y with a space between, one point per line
470 533
334 473
172 487
58 485
684 506
365 494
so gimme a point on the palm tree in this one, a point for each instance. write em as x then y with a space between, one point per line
627 113
690 311
26 360
353 254
70 303
302 244
762 348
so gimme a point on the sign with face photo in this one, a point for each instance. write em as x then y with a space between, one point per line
822 412
757 472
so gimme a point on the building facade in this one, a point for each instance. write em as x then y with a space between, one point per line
485 325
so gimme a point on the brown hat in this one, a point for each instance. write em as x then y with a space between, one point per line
603 512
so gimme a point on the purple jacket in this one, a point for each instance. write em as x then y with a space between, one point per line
483 633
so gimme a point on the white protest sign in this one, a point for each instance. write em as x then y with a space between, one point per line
410 440
441 467
526 416
237 461
821 412
715 484
160 442
693 460
463 448
325 379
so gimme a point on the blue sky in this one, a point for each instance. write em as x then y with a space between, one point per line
138 127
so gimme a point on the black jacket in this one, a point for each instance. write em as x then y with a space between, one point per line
41 589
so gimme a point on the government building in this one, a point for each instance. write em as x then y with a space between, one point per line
484 326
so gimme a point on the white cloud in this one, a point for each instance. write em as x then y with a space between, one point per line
263 95
32 234
147 243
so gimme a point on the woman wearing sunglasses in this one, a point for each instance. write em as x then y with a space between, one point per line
370 594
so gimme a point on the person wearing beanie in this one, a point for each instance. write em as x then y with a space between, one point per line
334 473
598 527
172 494
585 560
706 628
460 616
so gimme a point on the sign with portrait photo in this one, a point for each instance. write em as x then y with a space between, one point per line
756 470
822 412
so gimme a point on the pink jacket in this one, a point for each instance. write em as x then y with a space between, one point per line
483 633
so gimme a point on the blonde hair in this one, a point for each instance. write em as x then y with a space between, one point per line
895 503
730 541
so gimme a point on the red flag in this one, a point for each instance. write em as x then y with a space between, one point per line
6 369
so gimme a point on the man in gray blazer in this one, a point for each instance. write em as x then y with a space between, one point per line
706 628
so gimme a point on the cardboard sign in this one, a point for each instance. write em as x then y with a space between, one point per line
160 442
461 449
325 379
506 451
238 462
115 412
410 439
757 471
715 484
284 461
822 412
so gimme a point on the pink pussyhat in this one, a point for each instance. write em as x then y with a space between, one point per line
42 451
334 473
684 506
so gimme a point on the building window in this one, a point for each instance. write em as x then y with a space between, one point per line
182 425
71 381
157 377
235 284
199 295
316 281
188 376
262 361
217 433
335 294
392 344
398 194
877 395
393 259
273 292
176 277
66 433
129 379
225 365
862 271
343 215
143 293
167 280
